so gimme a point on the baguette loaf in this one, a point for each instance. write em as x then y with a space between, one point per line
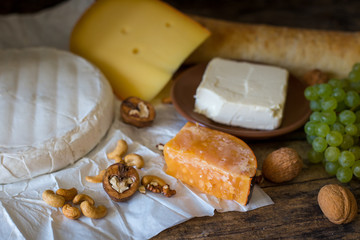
297 50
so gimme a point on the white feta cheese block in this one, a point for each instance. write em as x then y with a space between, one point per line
54 108
242 94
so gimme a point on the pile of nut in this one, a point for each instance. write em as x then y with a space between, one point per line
64 198
121 180
336 202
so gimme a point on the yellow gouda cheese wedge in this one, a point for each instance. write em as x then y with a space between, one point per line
138 44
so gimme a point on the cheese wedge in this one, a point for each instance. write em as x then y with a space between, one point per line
138 44
214 162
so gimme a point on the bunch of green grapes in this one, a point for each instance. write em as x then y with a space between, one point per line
333 129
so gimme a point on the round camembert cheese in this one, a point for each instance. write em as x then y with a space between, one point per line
54 108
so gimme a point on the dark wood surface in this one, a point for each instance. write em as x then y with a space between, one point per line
295 213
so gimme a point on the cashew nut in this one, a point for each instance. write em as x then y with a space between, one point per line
81 198
89 210
153 180
96 179
71 212
134 159
53 199
68 194
120 149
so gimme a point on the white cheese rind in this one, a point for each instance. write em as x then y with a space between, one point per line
242 94
54 107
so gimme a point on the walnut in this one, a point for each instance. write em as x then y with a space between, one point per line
137 112
282 165
157 185
121 182
315 77
337 203
167 191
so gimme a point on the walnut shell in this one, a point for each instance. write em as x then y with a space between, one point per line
337 203
282 165
131 112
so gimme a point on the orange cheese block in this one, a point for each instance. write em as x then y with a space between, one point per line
216 163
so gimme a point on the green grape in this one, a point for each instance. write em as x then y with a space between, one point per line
351 129
315 105
332 154
356 151
344 174
347 117
315 116
310 138
310 128
328 103
310 93
356 67
355 140
358 130
341 106
335 83
339 94
346 159
319 144
334 138
348 142
333 129
356 169
357 114
354 76
324 90
322 129
355 86
328 117
338 127
352 99
331 168
315 157
345 84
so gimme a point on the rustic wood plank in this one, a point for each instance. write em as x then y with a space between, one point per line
295 214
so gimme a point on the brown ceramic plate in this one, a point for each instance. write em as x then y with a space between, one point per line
296 110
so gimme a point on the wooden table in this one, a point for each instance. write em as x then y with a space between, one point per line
295 213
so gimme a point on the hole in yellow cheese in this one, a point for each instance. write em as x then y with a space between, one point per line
213 162
124 31
135 51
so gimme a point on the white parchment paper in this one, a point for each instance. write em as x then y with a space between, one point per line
23 214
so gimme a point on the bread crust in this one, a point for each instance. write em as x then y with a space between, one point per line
297 50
